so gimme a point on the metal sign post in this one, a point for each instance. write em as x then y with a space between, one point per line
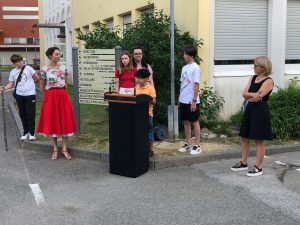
172 109
3 116
76 87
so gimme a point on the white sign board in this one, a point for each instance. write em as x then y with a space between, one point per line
96 72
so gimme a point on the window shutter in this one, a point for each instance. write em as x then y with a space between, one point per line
293 30
241 29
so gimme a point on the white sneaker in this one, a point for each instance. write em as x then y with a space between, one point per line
195 150
31 137
185 148
24 137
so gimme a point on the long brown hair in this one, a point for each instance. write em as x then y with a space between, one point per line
122 68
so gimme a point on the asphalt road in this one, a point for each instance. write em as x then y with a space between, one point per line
35 191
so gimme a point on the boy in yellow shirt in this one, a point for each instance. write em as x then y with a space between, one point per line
143 87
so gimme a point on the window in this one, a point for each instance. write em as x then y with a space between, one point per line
20 17
18 8
22 40
241 29
86 29
149 10
292 54
7 40
13 40
126 22
36 41
30 41
110 24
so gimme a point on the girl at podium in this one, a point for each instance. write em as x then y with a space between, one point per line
124 75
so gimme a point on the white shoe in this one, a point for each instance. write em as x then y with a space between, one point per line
195 150
31 137
24 137
185 148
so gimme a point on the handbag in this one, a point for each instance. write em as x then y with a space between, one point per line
245 103
14 94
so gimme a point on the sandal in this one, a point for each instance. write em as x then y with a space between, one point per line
54 155
66 154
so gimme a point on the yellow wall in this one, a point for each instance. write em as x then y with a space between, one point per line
191 15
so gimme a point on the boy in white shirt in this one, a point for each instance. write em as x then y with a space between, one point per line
26 94
189 100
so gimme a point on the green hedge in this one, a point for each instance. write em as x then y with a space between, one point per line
285 112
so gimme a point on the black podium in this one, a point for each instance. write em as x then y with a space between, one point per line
128 134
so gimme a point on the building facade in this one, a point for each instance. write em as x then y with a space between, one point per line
234 32
17 35
55 29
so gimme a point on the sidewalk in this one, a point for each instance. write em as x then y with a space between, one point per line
166 154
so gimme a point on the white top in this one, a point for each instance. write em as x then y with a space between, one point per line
190 74
26 85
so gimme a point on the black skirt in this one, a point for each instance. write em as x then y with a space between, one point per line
256 123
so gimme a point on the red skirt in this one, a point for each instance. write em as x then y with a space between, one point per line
57 115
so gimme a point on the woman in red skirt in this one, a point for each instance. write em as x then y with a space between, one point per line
57 115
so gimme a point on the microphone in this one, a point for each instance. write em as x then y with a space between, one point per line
110 86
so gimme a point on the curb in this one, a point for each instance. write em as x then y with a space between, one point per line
155 162
187 160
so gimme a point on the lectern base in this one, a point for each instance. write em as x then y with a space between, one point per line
128 135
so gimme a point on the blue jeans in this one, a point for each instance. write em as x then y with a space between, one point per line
151 134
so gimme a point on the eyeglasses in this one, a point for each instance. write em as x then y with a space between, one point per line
138 53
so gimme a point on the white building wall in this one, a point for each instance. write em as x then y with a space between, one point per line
230 80
59 12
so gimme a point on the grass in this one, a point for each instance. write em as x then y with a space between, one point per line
94 129
6 68
93 126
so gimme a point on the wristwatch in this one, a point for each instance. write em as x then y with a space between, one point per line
194 100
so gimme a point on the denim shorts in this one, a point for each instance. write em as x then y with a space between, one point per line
151 134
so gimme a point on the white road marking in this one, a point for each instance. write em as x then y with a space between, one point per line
298 170
267 157
35 188
280 163
37 192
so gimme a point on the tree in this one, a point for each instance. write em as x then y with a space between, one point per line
151 32
100 38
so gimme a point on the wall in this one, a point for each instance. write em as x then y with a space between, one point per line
18 28
192 17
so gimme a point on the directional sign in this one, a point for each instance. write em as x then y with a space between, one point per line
96 68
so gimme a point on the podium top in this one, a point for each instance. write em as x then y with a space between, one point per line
126 99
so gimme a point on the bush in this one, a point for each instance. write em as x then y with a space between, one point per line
236 119
210 104
285 111
152 34
218 127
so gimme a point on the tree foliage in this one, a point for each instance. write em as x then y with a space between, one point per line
151 32
285 111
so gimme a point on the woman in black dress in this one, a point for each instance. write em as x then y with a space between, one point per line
256 124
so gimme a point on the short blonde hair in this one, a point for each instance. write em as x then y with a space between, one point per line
264 62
